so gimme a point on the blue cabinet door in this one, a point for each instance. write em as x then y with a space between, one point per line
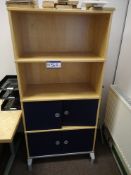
79 112
47 143
78 141
52 143
42 115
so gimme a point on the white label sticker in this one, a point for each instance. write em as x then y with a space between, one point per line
53 64
10 88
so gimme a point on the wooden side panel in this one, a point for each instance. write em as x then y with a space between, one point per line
16 31
96 76
101 34
21 79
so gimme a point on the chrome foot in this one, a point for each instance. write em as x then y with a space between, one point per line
92 156
29 163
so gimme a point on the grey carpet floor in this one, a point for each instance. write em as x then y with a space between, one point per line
70 165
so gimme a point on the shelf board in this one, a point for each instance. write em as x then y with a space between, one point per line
59 91
64 57
54 10
64 128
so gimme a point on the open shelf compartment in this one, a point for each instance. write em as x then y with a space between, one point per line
71 81
64 36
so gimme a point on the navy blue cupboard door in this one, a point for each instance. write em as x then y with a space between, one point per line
42 115
79 112
78 141
46 143
50 143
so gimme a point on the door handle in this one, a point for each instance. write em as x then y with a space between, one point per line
57 115
57 142
66 112
66 142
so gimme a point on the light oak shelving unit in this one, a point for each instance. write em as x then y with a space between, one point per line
60 106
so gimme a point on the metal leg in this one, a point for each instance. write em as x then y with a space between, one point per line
92 156
29 163
102 137
13 150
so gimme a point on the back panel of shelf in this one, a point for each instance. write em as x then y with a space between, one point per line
40 34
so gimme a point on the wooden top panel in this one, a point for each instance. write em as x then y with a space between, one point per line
54 10
9 121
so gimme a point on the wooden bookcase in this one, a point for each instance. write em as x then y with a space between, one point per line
60 106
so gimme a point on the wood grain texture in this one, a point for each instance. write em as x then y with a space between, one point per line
9 121
67 91
68 73
77 38
64 34
63 57
48 10
71 81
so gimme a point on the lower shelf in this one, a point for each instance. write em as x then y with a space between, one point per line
59 91
49 143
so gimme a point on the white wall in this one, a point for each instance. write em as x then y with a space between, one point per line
114 45
7 65
123 74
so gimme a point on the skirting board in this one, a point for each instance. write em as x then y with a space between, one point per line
115 151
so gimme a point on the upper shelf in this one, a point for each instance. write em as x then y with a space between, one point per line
72 37
54 10
63 57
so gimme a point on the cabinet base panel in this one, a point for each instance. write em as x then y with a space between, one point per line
30 159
